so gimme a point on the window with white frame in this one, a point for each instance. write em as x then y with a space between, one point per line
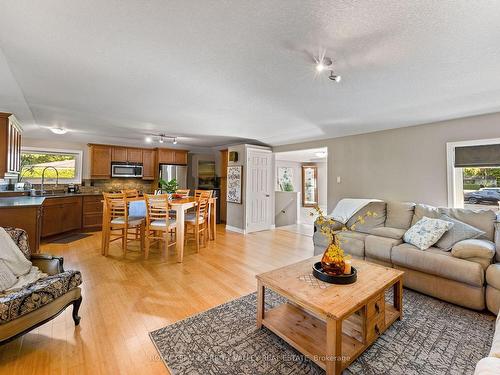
64 164
474 174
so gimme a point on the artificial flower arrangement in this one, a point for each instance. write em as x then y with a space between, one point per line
334 259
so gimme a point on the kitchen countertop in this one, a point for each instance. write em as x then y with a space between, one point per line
27 201
22 201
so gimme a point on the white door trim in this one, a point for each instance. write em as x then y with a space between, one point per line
454 175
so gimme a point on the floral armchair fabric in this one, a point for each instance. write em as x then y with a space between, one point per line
42 292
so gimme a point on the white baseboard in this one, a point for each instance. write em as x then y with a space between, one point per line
234 229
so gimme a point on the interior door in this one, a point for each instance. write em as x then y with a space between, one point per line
259 205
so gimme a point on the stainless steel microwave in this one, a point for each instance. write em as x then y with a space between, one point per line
126 170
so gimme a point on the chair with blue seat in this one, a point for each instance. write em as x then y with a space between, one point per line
160 226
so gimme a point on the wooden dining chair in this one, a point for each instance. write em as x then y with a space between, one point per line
202 194
183 192
117 218
196 223
130 193
159 225
207 194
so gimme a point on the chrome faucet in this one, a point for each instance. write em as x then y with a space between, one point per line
43 177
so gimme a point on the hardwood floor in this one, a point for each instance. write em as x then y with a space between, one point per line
126 298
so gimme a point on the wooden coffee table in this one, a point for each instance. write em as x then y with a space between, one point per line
330 324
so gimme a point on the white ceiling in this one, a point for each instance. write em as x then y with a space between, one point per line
219 72
303 156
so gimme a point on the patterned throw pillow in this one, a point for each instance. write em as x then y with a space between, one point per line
460 232
426 232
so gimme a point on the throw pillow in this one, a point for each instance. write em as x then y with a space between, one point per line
474 249
459 232
7 277
426 232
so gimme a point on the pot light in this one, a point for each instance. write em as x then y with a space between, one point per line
148 139
58 130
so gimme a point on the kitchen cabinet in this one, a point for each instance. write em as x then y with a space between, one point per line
60 215
134 155
92 212
100 161
148 164
10 146
169 156
119 154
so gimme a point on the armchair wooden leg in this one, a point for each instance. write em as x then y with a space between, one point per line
76 307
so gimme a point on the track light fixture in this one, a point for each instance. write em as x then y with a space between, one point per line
325 64
161 138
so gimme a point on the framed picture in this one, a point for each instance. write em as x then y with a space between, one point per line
234 174
285 178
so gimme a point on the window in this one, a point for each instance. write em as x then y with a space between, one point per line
67 163
474 174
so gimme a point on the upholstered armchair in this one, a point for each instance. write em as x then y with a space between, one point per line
37 303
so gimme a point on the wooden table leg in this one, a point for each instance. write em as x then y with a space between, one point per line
333 346
398 297
260 304
179 242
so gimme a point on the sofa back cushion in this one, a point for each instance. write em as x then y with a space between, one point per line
483 220
422 210
399 214
370 222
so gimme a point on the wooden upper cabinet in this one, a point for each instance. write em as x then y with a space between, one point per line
148 164
134 155
10 146
119 154
126 155
100 161
169 156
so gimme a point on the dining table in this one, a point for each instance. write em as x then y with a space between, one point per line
137 209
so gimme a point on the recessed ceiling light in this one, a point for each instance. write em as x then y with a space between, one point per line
149 139
58 130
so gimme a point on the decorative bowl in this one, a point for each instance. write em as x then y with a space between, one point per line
338 279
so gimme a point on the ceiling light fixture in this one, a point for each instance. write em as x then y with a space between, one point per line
58 130
162 138
325 64
148 139
174 141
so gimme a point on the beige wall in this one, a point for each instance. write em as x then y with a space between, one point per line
399 164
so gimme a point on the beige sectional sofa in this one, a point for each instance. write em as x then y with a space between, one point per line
466 277
490 365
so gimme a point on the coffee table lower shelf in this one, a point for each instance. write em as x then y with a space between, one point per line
307 333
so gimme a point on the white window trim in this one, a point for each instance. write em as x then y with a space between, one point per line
455 175
79 163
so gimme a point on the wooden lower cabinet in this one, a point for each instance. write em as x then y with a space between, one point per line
61 215
27 218
92 212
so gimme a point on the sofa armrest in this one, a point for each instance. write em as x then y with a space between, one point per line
49 264
474 248
497 239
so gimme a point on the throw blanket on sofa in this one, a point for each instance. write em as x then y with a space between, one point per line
17 271
347 207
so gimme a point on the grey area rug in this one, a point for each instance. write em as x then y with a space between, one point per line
433 338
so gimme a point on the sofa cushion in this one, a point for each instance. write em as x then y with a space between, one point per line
370 222
495 345
493 275
481 219
497 240
422 210
20 238
388 232
380 247
352 243
38 294
426 232
488 366
474 248
459 232
399 214
437 262
485 263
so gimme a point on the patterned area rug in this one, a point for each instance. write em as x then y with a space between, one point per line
433 338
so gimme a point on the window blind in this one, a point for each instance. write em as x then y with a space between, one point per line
477 156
